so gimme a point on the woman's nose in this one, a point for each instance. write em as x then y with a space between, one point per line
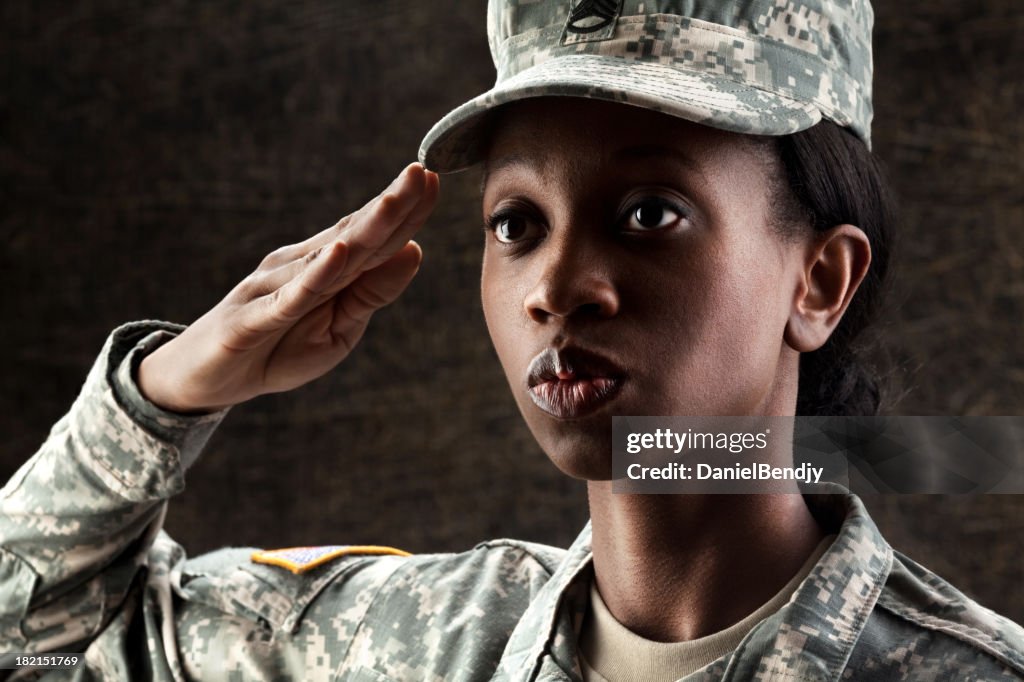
572 281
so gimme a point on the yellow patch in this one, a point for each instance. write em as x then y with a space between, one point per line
302 559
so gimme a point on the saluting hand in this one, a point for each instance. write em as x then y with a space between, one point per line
301 312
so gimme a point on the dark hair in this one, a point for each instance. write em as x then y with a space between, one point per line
835 179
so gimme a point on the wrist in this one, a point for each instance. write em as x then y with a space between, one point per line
153 381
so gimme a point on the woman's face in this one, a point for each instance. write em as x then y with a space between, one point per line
632 268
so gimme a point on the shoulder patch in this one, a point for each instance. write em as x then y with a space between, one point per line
302 559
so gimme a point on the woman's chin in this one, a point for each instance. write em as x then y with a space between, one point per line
584 455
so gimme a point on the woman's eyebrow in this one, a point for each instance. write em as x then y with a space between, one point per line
501 163
645 152
654 152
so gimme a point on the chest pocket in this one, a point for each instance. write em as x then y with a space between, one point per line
228 581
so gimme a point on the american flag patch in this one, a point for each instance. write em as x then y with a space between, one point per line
302 559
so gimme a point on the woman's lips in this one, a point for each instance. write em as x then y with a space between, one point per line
574 398
571 383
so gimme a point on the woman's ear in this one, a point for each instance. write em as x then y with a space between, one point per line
834 265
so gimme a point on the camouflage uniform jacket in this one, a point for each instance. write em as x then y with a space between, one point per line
84 565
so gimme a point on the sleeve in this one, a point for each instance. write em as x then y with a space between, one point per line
78 521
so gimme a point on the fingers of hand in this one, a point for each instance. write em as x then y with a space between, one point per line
308 287
407 183
401 235
376 288
327 333
375 240
379 233
373 234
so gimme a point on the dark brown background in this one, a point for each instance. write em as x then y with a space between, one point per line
150 157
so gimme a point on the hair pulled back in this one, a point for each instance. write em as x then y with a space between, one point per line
835 179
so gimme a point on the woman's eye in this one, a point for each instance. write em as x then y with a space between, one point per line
653 215
509 229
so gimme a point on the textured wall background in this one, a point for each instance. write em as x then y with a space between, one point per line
149 157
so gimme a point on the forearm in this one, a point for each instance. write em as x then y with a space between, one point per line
77 519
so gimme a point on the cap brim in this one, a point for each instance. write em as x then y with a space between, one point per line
457 141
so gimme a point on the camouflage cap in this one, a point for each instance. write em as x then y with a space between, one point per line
766 67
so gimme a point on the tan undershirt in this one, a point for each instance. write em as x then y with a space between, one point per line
609 652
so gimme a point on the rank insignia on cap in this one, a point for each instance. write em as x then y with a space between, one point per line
302 559
591 20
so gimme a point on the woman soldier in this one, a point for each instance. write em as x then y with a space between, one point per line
683 218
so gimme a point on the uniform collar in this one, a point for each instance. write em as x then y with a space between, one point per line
544 641
811 637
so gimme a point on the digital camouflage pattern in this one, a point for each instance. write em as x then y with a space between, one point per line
85 566
769 67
